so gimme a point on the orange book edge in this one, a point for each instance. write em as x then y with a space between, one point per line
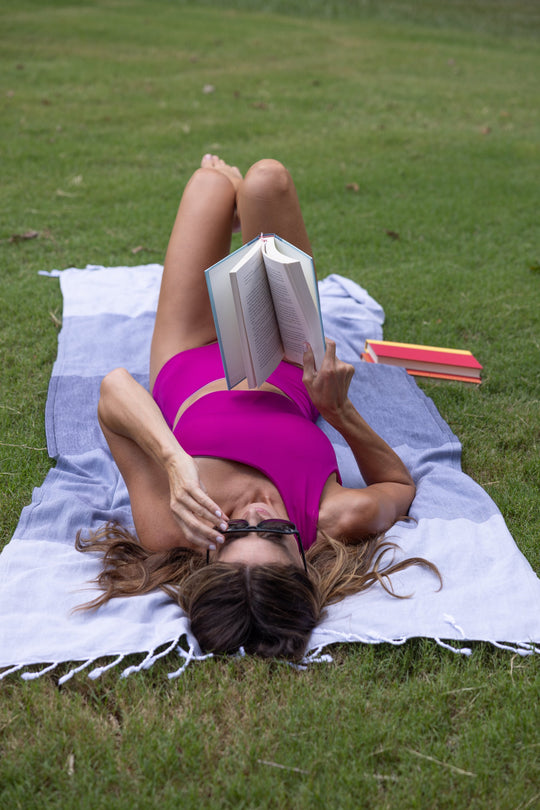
434 374
404 354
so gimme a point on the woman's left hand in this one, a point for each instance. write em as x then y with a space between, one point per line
329 386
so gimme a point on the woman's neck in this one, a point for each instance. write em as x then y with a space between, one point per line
235 486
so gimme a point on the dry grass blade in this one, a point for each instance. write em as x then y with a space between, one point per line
440 762
281 767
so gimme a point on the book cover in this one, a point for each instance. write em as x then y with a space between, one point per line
436 361
265 302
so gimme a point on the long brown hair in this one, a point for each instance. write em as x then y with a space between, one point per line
269 610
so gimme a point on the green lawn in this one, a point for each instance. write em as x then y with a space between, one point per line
413 132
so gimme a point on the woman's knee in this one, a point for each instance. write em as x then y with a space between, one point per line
209 181
267 178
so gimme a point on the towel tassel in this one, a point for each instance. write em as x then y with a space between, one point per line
98 671
371 638
32 676
520 648
137 667
74 671
314 656
151 658
188 657
10 671
458 650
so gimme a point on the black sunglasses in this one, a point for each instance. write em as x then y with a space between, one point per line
272 525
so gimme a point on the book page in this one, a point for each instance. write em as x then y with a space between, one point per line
257 318
297 314
224 311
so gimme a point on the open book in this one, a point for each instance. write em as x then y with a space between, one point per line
265 303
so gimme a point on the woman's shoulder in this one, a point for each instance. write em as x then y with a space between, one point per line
347 513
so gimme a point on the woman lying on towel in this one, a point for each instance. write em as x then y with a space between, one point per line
228 489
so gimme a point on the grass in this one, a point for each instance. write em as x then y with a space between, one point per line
431 111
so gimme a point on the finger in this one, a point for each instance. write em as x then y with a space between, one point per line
200 502
345 368
192 501
330 353
196 532
308 361
201 496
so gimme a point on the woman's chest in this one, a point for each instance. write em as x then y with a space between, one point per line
231 483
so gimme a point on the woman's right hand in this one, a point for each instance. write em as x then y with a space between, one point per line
194 511
328 387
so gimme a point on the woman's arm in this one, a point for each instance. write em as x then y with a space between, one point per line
390 488
170 507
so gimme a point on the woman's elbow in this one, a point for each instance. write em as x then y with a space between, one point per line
110 392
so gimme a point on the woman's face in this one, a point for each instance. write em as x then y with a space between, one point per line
258 548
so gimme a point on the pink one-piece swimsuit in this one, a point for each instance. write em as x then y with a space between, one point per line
275 434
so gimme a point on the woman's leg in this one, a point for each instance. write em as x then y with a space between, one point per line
268 203
200 237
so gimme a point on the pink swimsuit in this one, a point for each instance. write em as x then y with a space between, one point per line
261 429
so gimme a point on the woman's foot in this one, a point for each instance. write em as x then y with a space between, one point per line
232 172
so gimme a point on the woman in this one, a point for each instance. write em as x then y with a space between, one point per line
196 458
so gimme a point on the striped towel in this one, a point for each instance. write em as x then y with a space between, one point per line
490 591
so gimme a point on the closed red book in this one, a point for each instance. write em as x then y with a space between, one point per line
456 364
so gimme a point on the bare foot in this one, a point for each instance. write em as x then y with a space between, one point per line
232 172
234 175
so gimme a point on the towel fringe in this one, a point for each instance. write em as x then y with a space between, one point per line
370 638
530 646
450 620
74 671
32 676
98 671
164 652
458 650
151 658
316 657
520 648
188 657
137 667
11 670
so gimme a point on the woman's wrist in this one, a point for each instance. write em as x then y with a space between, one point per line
340 416
173 457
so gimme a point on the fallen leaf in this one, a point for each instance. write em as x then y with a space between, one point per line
61 193
21 237
353 187
208 88
260 105
138 249
392 234
485 130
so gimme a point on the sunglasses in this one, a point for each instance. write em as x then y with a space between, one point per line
272 525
